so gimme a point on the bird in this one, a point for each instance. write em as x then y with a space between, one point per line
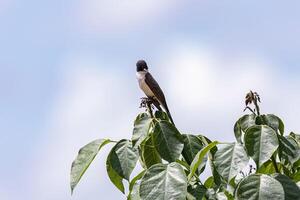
151 88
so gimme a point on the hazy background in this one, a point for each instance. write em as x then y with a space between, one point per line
67 76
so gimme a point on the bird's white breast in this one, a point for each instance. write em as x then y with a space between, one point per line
141 79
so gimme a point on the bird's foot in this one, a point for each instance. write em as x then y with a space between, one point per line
146 102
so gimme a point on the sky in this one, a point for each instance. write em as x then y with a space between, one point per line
67 77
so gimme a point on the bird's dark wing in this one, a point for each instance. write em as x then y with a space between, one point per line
156 104
154 87
158 93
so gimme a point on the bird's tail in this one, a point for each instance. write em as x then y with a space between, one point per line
169 114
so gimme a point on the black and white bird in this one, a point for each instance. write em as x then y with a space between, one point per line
151 88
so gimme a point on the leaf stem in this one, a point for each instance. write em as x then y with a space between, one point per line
257 107
274 163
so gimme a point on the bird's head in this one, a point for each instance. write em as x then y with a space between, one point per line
141 65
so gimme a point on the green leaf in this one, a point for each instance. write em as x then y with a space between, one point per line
217 178
123 158
183 164
260 142
149 154
242 125
209 183
238 132
267 168
141 159
115 178
167 140
228 195
296 137
161 115
192 145
164 182
120 162
288 149
296 176
142 126
230 160
259 187
199 158
296 165
291 190
83 160
272 121
196 192
212 151
205 141
281 126
135 192
247 121
136 178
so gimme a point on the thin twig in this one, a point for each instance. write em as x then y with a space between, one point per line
249 109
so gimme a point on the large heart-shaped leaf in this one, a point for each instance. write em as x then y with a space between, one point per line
230 159
242 125
259 187
167 140
83 160
291 190
260 142
142 125
164 182
121 161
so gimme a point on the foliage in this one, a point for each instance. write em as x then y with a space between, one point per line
263 163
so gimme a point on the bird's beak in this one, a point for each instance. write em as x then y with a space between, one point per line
146 70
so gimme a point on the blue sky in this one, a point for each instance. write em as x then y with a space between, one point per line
67 76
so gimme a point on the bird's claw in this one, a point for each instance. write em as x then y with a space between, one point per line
146 102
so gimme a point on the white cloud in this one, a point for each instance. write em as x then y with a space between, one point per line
108 15
192 72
